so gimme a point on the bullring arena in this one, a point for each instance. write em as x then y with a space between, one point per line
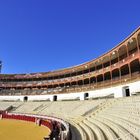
97 100
22 130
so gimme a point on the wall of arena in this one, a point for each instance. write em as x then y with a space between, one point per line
40 120
118 91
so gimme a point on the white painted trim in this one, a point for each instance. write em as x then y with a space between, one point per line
117 91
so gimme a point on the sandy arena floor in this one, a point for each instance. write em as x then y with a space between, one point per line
20 130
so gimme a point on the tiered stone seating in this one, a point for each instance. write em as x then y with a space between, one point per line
62 109
122 114
98 134
88 131
108 133
83 135
116 119
28 107
118 129
110 119
6 105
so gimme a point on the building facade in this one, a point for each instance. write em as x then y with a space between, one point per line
116 73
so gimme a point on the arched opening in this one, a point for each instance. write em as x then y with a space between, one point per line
62 85
124 70
25 99
114 57
99 64
122 52
92 80
80 82
50 86
86 95
107 76
106 61
67 84
132 46
74 83
73 74
55 98
55 86
86 81
100 78
86 71
92 69
80 72
115 74
135 66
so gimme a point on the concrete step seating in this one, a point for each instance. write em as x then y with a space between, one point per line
105 119
87 130
132 128
75 135
62 109
6 105
96 130
107 131
117 119
81 131
117 128
126 116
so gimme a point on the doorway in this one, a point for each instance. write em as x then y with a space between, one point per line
86 95
55 98
25 99
126 91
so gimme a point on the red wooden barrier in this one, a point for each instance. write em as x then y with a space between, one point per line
46 123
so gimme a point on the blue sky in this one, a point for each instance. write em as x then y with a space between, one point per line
45 35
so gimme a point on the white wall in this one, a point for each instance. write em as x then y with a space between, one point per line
116 91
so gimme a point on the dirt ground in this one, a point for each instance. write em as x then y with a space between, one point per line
20 130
